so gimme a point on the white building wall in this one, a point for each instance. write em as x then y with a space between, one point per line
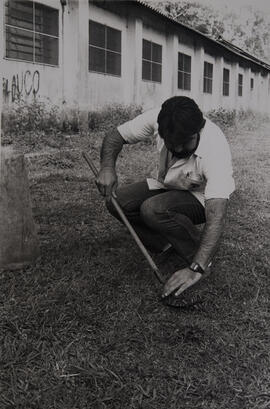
208 100
71 85
197 78
241 100
262 94
171 79
218 84
103 88
153 93
74 76
26 80
227 101
252 92
234 85
184 49
267 85
135 59
244 101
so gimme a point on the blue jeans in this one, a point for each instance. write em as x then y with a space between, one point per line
162 216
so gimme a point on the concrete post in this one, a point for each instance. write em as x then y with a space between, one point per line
18 236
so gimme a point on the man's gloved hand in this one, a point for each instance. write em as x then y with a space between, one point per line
180 281
106 182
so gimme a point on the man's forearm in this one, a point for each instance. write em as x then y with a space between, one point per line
111 146
215 211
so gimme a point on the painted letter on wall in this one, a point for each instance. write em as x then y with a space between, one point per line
21 85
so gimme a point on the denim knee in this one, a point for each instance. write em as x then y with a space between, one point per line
156 214
151 211
127 205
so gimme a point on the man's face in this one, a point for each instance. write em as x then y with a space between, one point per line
185 149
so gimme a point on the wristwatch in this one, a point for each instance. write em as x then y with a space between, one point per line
197 268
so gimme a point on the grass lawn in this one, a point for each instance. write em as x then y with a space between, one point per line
83 328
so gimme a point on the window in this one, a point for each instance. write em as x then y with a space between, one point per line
151 61
104 49
208 78
226 81
32 32
184 71
251 83
240 85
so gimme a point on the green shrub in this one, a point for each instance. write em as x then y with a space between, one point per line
112 115
38 116
23 117
37 124
239 120
225 118
41 123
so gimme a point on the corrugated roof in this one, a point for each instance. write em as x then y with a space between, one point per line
221 42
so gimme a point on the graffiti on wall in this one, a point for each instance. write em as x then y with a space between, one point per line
21 85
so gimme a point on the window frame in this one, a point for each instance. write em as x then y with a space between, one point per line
151 61
105 49
35 34
186 75
226 83
251 84
207 79
240 84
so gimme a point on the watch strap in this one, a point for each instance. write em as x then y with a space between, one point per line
197 268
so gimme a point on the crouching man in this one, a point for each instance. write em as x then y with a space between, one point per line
192 186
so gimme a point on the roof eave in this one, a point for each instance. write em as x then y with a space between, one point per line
220 43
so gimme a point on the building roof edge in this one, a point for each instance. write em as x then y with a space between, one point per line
221 42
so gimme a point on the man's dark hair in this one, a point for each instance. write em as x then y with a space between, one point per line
179 118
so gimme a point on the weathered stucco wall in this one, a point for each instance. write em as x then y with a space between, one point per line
71 85
27 80
103 88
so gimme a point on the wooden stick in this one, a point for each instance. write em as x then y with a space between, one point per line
128 225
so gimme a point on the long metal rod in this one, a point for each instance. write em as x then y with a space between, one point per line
128 225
